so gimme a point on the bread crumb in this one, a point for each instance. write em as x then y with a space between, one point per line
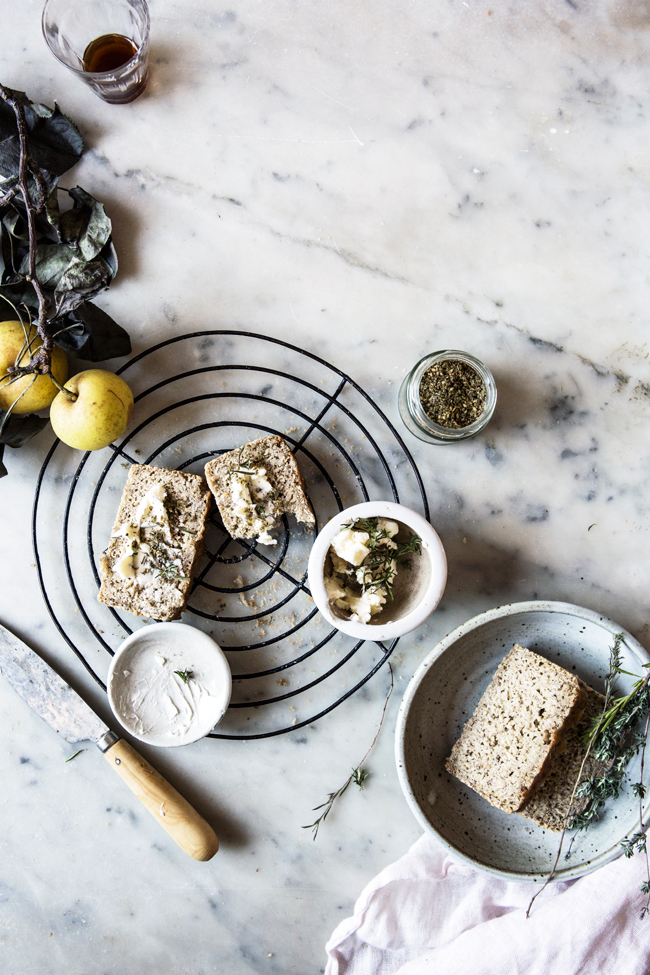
239 582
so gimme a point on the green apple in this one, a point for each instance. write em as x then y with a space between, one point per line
96 414
40 391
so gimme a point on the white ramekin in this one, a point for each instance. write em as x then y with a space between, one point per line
431 549
186 646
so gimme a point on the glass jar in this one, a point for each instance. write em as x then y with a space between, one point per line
412 411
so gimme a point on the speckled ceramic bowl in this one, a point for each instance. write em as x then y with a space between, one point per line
441 697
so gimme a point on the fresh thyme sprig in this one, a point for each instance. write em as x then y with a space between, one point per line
74 756
380 566
242 466
185 675
412 547
159 557
358 775
368 525
612 741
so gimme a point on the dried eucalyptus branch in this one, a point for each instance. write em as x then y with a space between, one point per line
41 362
54 260
358 774
612 741
38 144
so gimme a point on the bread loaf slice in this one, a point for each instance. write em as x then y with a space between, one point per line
506 744
254 485
156 544
550 804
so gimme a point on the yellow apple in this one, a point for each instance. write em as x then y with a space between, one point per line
40 391
99 414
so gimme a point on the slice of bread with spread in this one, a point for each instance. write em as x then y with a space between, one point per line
550 804
507 744
255 485
156 544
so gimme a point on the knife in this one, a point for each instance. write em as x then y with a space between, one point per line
49 695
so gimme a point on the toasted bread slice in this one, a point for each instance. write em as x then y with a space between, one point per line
550 804
254 485
505 746
156 544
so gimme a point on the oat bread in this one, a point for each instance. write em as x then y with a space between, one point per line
549 804
506 744
254 485
156 543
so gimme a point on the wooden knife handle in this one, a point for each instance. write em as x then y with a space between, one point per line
174 813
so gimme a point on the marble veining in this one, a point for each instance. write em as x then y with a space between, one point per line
370 183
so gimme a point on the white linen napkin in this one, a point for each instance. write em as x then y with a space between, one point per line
428 914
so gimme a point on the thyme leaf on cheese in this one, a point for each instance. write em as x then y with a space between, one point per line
379 568
185 675
159 557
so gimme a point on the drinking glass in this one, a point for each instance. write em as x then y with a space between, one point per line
78 32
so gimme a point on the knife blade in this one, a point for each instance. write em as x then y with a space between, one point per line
64 710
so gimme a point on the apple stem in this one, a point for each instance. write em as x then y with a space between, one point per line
62 389
35 369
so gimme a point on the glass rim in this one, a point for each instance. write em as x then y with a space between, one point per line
421 417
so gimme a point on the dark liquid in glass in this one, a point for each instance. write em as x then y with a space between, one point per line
108 52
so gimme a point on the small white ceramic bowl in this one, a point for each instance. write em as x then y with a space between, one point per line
412 604
152 701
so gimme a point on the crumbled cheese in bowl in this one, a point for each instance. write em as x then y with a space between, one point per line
365 559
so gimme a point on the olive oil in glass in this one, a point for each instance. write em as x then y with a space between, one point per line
108 52
114 64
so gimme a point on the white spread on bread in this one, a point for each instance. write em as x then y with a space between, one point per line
149 552
253 501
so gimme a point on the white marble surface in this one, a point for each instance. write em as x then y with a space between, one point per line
369 182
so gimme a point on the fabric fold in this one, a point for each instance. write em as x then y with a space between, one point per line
427 913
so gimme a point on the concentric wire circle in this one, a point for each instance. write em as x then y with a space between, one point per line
197 396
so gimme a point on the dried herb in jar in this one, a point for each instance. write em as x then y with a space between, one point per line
452 393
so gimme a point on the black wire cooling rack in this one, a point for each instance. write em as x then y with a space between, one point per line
197 396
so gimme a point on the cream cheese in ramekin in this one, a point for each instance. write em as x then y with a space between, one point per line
169 684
